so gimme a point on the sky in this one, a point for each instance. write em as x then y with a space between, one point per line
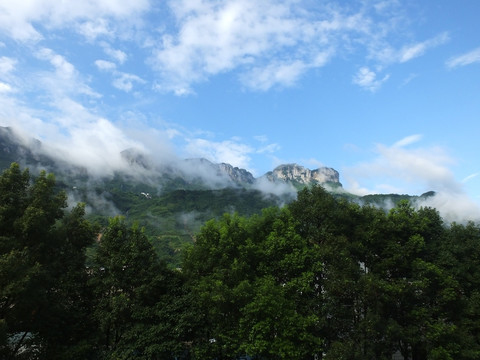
387 92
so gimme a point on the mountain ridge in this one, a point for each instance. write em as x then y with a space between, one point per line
172 201
192 171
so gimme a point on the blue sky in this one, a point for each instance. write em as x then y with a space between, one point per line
386 92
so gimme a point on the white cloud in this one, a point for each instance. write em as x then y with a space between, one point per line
470 177
410 52
468 58
60 120
264 78
7 65
95 143
124 81
63 68
5 88
456 207
270 42
267 44
396 169
313 163
411 139
70 132
384 53
105 65
414 167
95 28
65 80
368 80
90 17
115 54
270 148
228 151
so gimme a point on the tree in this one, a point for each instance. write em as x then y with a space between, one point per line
383 287
41 267
133 290
459 255
254 279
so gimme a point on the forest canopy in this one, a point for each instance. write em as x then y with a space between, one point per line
320 278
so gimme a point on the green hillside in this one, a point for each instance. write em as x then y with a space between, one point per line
171 207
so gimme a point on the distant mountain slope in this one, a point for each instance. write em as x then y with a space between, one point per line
14 149
173 200
189 173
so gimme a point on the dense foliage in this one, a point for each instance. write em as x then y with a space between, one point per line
321 278
170 217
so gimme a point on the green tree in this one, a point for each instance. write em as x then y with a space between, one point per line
41 268
254 279
134 292
383 288
460 256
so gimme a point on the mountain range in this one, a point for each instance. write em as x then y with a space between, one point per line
193 174
172 200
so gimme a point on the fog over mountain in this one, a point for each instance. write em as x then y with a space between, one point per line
162 168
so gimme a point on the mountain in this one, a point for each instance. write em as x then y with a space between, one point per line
172 201
15 149
300 176
197 173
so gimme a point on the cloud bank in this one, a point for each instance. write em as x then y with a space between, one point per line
403 167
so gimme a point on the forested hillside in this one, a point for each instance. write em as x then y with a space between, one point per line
173 200
321 278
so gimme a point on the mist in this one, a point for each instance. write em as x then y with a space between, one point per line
408 168
453 207
145 155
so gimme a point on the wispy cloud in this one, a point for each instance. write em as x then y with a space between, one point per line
5 88
468 58
121 80
270 43
368 80
412 51
125 82
470 177
65 79
105 65
6 65
263 78
263 44
385 53
116 54
411 139
229 151
414 167
89 17
413 170
269 149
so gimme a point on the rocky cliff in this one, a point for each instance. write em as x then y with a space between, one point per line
237 175
300 175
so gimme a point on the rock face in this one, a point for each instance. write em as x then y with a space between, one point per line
237 175
301 175
225 173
